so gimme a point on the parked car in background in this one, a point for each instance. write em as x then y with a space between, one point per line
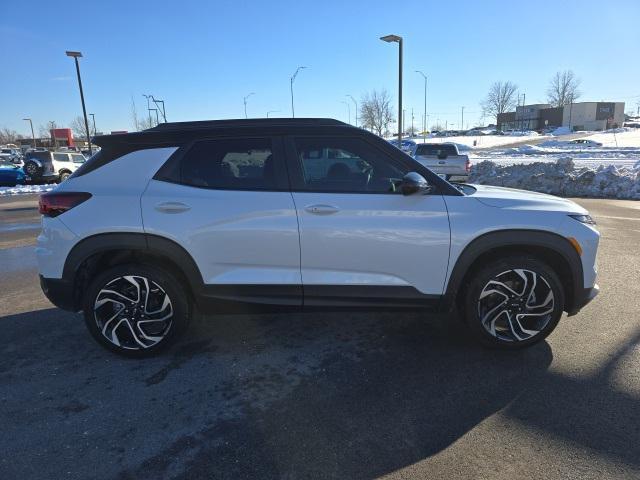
407 146
10 174
444 159
13 155
583 142
52 166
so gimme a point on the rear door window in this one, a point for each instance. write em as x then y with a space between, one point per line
61 157
233 164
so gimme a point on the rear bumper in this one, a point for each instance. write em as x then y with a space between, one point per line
583 298
59 292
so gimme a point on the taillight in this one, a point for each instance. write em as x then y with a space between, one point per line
468 166
53 204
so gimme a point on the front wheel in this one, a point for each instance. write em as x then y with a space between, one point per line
136 310
514 302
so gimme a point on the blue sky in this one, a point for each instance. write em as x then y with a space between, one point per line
203 57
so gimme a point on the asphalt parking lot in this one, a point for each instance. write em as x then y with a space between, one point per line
322 395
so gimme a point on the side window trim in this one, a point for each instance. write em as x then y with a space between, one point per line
170 172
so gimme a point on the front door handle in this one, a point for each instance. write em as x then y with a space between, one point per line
321 209
172 207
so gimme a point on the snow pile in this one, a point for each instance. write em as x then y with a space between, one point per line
26 189
561 131
562 178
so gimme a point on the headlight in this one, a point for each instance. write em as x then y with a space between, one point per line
584 219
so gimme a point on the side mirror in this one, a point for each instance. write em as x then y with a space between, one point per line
413 182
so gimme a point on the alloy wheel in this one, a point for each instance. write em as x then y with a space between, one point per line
133 312
516 305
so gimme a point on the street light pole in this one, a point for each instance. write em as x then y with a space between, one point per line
271 111
157 117
356 104
93 117
245 103
398 40
348 109
292 79
462 119
33 135
148 108
75 56
162 111
424 126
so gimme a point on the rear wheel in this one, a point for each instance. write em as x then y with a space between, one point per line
136 310
32 169
64 175
514 302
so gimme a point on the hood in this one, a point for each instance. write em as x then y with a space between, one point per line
512 198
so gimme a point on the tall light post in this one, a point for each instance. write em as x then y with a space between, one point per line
356 104
272 111
93 117
462 119
348 109
162 110
398 40
245 103
75 56
292 79
157 117
33 135
148 108
424 119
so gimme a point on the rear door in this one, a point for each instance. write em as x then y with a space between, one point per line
227 202
362 241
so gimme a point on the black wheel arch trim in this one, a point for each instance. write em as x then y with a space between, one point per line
134 241
510 239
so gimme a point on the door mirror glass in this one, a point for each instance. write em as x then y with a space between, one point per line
413 183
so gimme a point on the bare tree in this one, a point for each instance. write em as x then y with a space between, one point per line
9 136
78 128
563 89
375 111
139 123
500 99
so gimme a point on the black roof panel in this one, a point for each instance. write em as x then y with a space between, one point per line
257 122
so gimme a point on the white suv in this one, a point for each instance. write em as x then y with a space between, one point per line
257 215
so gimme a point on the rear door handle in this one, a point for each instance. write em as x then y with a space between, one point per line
172 207
321 209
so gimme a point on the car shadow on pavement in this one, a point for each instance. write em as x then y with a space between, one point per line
339 395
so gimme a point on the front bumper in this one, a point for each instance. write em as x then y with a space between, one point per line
583 298
59 292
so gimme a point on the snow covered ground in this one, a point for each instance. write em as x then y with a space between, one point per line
620 147
26 189
466 143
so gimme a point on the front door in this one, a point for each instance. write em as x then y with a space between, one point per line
359 236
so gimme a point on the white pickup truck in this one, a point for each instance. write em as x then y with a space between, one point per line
443 159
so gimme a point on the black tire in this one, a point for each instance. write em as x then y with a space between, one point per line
498 302
63 176
447 177
32 169
160 282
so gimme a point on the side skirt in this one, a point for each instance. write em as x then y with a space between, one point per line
278 298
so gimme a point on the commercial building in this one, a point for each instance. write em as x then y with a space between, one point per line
576 116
